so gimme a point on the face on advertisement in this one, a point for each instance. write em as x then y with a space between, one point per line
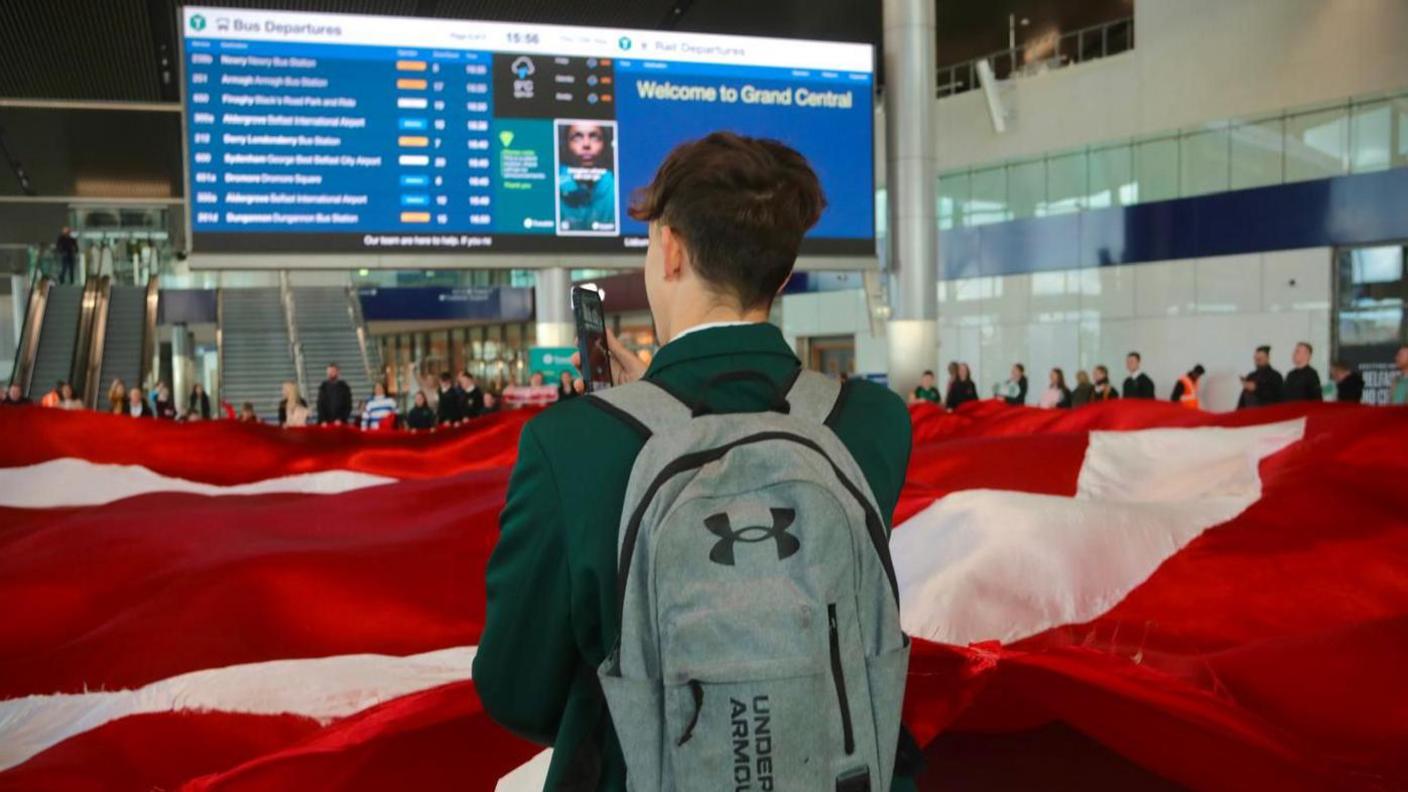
587 142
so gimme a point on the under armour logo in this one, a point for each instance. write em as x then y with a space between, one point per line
782 519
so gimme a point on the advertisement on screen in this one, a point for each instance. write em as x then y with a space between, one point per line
336 133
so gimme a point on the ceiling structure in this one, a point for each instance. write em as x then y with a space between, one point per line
124 50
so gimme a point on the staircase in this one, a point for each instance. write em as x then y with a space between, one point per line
122 341
58 340
255 353
327 329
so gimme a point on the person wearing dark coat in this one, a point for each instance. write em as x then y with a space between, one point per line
450 409
67 248
334 399
471 397
164 406
566 387
1303 381
1104 391
1263 385
1349 384
1084 391
137 406
962 389
1137 385
199 402
14 396
420 415
1019 378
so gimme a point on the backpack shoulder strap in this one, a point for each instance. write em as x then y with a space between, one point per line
644 406
815 397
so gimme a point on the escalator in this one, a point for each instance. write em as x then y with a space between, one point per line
119 343
87 336
57 338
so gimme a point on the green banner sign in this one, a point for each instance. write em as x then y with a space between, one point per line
551 362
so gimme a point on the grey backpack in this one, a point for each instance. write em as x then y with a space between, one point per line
760 640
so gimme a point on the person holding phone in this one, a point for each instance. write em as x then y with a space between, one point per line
726 217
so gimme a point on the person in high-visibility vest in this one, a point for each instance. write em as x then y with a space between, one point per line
1186 391
52 398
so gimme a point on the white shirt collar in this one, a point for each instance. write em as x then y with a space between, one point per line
708 326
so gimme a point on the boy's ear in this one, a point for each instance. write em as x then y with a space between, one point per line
675 256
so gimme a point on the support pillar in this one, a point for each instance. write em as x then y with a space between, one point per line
911 169
552 299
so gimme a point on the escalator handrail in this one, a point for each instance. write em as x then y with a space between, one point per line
97 344
359 323
220 344
30 331
295 342
82 339
150 309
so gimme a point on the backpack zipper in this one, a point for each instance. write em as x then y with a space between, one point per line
838 675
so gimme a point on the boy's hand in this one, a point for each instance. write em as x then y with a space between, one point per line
625 366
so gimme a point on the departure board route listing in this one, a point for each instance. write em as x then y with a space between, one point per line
310 132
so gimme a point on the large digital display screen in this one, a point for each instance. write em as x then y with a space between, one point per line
336 133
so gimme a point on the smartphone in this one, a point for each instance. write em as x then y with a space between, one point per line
591 338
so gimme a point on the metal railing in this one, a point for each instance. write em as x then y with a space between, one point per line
94 292
219 346
97 344
354 308
29 333
1041 54
295 345
151 364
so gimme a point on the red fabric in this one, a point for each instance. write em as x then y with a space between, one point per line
231 452
159 751
1268 654
163 584
436 739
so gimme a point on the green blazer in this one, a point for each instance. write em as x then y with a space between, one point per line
551 580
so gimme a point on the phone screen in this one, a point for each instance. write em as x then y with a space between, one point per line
591 339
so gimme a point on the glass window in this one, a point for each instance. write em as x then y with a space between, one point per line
1400 131
1156 169
953 198
1376 265
1026 188
1111 177
1257 153
1066 183
987 202
1371 137
1371 296
1203 158
1317 144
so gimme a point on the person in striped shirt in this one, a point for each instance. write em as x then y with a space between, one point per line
378 407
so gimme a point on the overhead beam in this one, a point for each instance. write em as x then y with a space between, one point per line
92 104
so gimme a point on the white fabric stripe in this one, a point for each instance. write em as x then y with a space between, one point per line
323 688
531 776
78 482
985 564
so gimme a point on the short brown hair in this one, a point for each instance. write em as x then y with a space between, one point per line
741 206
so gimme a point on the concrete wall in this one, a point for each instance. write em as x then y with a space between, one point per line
1212 311
1193 61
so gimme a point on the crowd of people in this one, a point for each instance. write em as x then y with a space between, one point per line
1262 386
459 397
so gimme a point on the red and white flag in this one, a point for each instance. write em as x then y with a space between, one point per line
1219 601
